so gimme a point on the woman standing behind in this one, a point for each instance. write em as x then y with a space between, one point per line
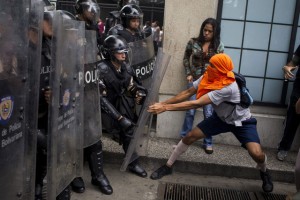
196 57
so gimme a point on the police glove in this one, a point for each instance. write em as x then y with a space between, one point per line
140 97
125 123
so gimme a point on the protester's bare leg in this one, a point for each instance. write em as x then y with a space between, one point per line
194 135
255 151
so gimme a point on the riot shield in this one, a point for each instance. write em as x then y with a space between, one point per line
92 110
34 61
17 72
139 141
143 59
65 152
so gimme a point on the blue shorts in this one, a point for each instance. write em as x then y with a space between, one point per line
245 133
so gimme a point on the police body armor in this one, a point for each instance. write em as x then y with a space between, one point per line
20 38
114 100
65 152
124 33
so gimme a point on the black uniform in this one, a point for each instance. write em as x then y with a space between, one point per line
292 118
112 20
117 97
126 34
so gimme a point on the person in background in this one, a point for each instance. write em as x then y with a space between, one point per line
197 53
129 27
155 35
147 29
292 120
113 17
161 37
100 26
297 167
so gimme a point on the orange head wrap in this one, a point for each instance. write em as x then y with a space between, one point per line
218 74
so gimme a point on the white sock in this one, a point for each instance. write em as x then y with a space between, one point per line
180 149
262 166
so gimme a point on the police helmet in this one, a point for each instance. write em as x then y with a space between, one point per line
89 5
114 44
122 3
48 6
130 12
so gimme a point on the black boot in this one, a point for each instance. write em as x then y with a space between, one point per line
41 171
78 185
95 160
65 194
38 192
103 183
135 168
267 185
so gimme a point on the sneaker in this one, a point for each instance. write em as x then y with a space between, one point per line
281 155
267 185
208 149
161 172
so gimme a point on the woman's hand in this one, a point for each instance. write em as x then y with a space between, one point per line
157 108
189 78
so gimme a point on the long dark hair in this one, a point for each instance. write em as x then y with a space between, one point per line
214 44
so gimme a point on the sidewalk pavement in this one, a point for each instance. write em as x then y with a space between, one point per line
228 167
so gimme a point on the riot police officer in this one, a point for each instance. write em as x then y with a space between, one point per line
44 100
114 16
88 11
118 94
129 28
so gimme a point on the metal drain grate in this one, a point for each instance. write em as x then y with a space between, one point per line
270 196
173 191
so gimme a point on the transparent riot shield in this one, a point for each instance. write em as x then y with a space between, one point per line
143 59
92 110
65 152
34 61
17 72
139 140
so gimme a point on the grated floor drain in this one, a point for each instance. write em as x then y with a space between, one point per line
173 191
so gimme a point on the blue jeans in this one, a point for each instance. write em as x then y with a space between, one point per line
189 119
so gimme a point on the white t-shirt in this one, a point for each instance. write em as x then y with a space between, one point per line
231 114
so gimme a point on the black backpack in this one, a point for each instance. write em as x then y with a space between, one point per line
246 98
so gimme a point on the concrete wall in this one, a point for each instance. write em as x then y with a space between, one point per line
182 21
